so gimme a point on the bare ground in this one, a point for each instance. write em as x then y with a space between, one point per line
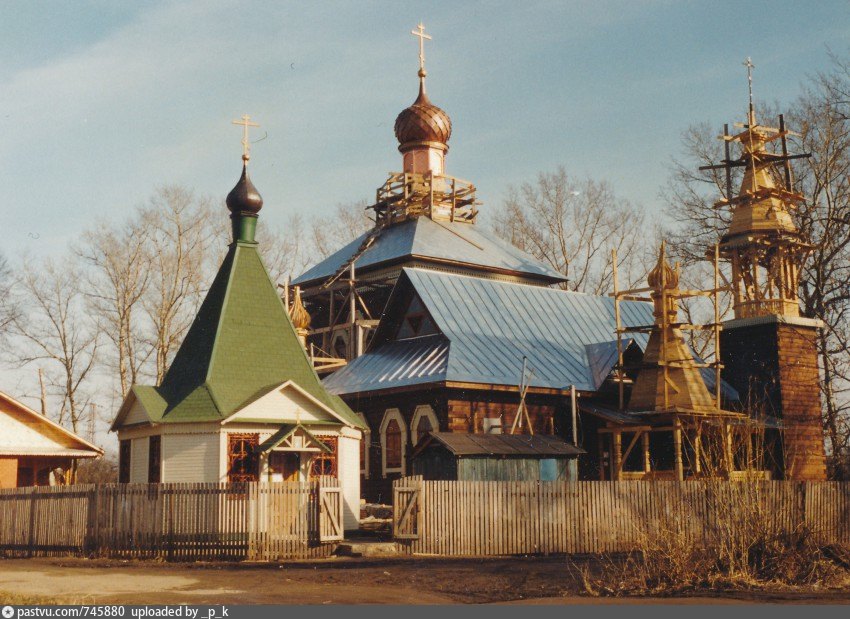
334 581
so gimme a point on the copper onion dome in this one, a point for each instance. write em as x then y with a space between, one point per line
423 121
244 197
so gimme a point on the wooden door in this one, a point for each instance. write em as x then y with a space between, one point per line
285 463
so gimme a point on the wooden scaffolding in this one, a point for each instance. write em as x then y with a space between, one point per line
707 441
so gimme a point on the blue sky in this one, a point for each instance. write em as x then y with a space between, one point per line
100 102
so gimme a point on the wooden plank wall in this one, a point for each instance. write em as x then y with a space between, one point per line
175 522
481 518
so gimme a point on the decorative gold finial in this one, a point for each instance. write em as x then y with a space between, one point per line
420 32
246 145
663 276
298 313
751 117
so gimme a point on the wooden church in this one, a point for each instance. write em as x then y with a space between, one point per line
427 323
241 401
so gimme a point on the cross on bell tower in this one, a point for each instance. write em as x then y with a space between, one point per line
769 352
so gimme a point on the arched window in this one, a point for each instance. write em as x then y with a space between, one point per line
424 421
393 442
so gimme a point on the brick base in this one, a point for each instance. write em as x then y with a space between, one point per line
774 367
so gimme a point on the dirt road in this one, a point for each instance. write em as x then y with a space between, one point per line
336 581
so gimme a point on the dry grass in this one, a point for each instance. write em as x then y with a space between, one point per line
20 599
745 546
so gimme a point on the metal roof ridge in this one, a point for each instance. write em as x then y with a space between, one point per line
552 288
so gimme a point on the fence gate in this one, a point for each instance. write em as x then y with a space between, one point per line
330 513
407 506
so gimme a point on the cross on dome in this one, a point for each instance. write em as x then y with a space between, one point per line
245 121
420 32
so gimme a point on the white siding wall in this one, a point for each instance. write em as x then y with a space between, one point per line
136 414
348 467
21 433
139 460
284 405
190 457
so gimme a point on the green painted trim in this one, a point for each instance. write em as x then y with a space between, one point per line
285 432
244 227
269 422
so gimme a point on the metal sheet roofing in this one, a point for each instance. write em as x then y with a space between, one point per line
487 326
517 445
426 238
395 364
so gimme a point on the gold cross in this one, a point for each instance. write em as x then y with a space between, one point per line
246 145
420 32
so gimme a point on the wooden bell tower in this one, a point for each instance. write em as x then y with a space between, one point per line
769 352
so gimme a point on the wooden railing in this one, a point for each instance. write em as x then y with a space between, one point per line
483 518
180 522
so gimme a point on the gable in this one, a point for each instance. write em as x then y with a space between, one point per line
136 414
416 321
285 404
23 431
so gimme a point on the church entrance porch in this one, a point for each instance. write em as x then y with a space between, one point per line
284 466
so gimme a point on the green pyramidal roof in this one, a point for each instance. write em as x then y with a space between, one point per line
240 346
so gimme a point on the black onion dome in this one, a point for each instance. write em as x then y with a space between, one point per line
244 197
423 122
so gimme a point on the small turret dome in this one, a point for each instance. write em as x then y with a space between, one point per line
298 313
663 274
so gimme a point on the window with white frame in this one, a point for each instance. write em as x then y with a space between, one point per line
424 421
365 447
393 442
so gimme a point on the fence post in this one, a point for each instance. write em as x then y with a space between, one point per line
170 535
90 542
31 540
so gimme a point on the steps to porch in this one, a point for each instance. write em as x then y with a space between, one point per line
367 548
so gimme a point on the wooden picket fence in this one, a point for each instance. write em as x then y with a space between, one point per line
175 522
480 518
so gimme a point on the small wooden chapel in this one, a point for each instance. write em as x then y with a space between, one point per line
241 401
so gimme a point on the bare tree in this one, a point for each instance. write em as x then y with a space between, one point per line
824 220
97 471
116 275
56 331
331 233
573 225
179 236
8 307
284 252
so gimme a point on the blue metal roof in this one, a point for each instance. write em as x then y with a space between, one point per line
395 364
426 238
489 326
